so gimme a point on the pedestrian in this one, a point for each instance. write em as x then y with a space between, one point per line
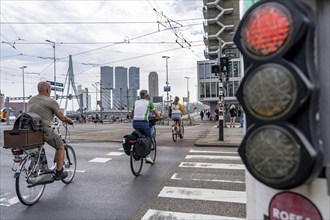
202 115
233 114
240 116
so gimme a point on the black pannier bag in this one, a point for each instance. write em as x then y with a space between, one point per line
126 144
142 146
127 138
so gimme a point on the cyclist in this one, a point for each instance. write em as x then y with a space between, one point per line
177 111
47 108
140 112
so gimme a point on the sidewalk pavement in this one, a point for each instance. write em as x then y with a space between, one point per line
232 137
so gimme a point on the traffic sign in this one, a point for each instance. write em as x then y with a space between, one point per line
58 84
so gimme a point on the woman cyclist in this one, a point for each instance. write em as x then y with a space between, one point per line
177 111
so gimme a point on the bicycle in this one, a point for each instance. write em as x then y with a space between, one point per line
32 172
136 162
175 131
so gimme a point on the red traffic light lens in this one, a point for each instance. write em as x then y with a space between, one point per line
273 153
270 91
266 30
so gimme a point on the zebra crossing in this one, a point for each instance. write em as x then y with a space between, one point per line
212 182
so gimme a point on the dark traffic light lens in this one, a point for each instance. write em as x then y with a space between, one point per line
270 91
266 30
273 153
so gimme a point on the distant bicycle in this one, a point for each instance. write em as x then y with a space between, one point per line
176 131
32 172
137 162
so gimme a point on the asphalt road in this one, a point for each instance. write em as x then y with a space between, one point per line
185 179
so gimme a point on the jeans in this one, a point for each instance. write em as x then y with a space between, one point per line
241 120
144 127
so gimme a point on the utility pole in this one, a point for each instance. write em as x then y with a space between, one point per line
221 98
53 43
22 68
188 110
167 87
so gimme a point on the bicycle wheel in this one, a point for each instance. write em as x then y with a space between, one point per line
26 192
136 163
153 151
174 134
182 132
69 164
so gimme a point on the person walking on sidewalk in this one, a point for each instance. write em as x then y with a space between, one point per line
202 115
140 112
240 116
233 115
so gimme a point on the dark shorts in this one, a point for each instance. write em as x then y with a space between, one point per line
54 140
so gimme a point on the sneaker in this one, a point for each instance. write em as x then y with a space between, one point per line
61 175
149 160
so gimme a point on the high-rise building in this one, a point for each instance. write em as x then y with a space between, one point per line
120 92
85 98
106 86
153 85
2 100
221 21
134 85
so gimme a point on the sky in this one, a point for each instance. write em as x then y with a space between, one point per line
100 33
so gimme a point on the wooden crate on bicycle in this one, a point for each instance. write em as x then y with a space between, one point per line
24 138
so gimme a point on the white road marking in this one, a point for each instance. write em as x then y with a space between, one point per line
152 214
176 176
8 202
213 152
213 157
116 153
100 160
203 194
212 165
80 171
121 149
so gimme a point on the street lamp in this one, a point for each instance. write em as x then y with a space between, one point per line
188 111
22 68
95 84
167 88
52 42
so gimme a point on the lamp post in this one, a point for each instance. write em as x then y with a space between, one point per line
22 68
188 110
95 84
167 88
121 108
53 43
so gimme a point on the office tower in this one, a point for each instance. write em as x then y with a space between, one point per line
106 85
85 98
134 85
153 85
120 92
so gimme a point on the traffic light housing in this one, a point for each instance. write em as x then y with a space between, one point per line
215 69
224 64
279 93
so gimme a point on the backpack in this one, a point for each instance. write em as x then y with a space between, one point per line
28 121
142 146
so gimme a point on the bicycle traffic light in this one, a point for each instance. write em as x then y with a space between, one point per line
279 93
224 64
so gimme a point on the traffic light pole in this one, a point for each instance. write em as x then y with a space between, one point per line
323 18
221 101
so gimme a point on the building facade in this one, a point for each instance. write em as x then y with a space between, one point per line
221 21
120 92
106 86
153 85
134 85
